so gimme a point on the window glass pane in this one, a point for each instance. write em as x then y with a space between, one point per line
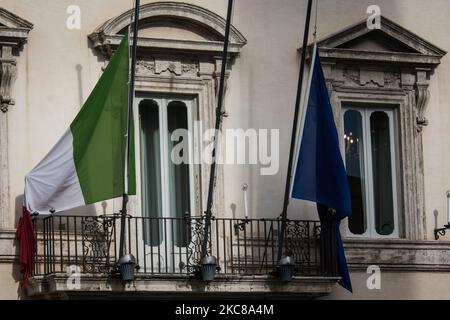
179 185
354 163
382 173
151 172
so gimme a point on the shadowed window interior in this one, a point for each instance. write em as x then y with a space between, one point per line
354 162
370 163
166 186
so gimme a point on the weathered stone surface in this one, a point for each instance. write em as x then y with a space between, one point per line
13 33
55 286
398 255
398 78
209 23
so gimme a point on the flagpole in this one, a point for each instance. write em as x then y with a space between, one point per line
130 110
219 115
282 232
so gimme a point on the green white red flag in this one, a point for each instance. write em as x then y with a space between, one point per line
88 163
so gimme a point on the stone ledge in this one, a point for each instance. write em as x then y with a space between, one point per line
8 246
398 254
173 287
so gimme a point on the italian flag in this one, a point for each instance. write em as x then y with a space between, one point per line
88 162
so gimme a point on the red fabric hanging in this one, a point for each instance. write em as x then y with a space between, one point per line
27 246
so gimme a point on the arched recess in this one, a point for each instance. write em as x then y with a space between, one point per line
179 53
209 26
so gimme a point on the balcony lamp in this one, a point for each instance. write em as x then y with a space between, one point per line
441 231
208 268
286 268
127 264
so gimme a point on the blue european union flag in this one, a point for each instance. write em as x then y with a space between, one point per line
320 173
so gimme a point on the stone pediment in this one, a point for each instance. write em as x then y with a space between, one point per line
13 32
11 20
390 43
13 29
170 27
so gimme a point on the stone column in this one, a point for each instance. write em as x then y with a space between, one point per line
7 77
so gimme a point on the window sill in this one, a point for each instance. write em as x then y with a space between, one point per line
398 254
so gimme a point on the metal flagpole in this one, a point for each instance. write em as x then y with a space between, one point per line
219 115
282 232
130 110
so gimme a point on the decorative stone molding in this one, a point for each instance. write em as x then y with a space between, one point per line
13 33
171 287
422 96
8 73
108 35
182 66
398 255
168 67
390 67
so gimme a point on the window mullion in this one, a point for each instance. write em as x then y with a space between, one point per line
369 174
191 156
393 170
164 158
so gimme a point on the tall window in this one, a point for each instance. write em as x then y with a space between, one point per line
370 159
166 187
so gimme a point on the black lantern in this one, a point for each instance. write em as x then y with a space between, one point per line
127 264
286 268
208 268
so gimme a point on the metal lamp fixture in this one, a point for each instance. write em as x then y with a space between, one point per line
441 231
286 268
127 265
208 268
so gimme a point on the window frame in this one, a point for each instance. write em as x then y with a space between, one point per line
162 102
366 112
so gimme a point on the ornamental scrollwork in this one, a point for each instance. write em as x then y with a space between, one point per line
195 226
8 72
298 240
97 235
422 97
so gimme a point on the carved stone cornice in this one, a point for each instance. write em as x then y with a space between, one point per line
398 255
108 36
389 67
8 73
406 46
170 67
405 64
13 33
422 96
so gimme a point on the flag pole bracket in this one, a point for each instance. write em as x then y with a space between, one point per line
440 232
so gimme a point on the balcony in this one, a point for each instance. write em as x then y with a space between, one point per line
76 257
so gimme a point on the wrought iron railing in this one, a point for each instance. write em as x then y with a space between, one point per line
90 244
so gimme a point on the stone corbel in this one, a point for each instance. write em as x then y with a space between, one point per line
8 72
216 77
329 77
422 97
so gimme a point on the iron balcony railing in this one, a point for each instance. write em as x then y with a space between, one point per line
90 244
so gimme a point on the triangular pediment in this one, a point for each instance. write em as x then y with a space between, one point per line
10 20
391 37
13 29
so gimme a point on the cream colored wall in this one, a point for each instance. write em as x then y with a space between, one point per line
268 77
397 286
261 92
57 71
9 282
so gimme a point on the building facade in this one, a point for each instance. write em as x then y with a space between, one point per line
388 83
